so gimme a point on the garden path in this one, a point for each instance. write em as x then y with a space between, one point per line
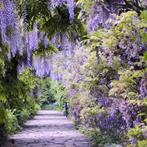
48 129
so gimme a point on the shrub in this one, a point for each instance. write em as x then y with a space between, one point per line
53 91
142 143
98 138
23 116
11 122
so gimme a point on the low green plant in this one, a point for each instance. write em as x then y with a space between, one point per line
11 123
142 143
37 107
98 138
52 92
137 136
23 115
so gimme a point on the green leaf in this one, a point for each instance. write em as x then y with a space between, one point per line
145 56
144 15
144 38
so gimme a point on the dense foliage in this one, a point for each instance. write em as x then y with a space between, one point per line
53 94
17 100
25 44
106 75
95 53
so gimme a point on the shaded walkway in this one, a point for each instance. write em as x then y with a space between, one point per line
48 129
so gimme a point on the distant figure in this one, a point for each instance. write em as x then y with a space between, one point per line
66 106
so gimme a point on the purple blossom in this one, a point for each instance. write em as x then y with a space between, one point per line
71 9
9 27
98 18
143 86
133 141
42 65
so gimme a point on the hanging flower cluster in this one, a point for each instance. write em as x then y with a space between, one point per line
9 26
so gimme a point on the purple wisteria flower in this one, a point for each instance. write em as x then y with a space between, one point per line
9 26
143 86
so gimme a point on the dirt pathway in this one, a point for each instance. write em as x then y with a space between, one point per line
48 129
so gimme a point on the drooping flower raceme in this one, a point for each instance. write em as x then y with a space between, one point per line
32 43
9 26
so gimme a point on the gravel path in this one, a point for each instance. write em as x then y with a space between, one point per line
49 129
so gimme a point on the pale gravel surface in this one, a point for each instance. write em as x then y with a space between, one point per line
48 129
